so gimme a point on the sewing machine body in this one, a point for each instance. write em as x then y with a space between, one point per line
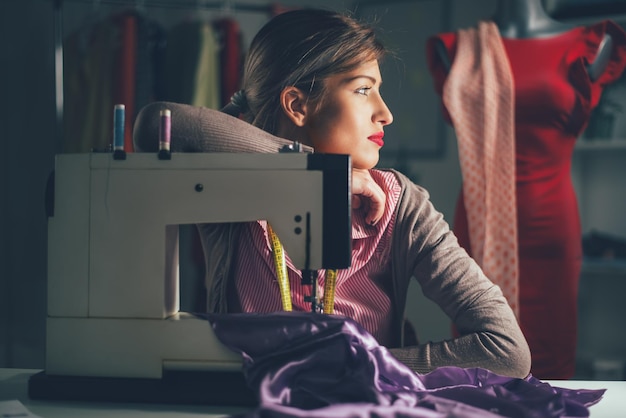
113 302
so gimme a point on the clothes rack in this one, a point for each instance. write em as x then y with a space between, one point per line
224 5
181 4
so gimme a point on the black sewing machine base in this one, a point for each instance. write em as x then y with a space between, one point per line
176 387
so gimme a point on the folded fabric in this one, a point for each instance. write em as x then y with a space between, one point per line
302 364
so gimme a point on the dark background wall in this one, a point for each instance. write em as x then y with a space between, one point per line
28 120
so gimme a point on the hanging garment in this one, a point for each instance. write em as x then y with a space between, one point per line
479 97
149 74
301 364
192 65
554 98
112 61
230 57
125 72
88 73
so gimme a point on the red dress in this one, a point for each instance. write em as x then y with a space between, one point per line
554 98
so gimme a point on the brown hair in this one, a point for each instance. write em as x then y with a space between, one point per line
301 48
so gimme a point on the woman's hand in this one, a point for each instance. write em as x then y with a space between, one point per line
367 195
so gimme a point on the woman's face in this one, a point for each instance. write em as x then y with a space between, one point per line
351 117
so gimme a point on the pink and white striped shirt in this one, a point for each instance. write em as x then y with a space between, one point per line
362 291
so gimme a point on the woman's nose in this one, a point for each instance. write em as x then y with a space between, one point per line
383 114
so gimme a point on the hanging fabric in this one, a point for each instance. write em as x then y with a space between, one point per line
88 81
124 71
192 65
111 61
479 96
230 57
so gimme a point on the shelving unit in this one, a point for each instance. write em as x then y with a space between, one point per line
615 267
599 173
600 144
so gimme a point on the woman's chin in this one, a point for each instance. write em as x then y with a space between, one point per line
365 164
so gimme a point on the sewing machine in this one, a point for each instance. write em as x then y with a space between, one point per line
113 302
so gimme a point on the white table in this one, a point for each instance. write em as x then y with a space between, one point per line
612 405
14 386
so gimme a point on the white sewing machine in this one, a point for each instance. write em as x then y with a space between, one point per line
113 303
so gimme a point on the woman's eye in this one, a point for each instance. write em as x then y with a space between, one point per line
364 91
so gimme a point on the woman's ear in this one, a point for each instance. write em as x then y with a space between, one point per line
294 104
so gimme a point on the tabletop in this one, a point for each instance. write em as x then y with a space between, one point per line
14 387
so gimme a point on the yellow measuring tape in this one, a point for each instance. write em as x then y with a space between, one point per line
281 269
330 279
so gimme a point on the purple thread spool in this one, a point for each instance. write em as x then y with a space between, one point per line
165 129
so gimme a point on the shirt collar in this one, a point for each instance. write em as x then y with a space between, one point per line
360 228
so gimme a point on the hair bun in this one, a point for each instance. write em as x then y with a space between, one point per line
239 101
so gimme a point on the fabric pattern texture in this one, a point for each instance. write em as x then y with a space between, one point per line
479 95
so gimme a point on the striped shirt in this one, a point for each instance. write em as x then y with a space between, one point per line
362 291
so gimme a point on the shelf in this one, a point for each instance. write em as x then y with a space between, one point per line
604 267
600 144
619 18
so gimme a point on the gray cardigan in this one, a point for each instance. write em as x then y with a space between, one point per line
424 247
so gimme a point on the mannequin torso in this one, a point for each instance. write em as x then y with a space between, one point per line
559 72
519 19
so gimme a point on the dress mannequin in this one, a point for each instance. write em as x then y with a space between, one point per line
559 72
518 19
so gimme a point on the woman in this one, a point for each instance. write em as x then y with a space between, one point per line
313 76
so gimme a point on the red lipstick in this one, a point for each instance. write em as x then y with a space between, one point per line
377 138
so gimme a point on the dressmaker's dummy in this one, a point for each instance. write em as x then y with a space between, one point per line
528 19
558 72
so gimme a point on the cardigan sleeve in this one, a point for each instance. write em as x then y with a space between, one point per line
424 247
200 129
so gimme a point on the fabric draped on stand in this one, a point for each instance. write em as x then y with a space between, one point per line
479 96
301 364
554 100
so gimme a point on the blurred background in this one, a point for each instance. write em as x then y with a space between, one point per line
46 63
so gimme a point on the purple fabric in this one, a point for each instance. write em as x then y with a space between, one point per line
302 364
